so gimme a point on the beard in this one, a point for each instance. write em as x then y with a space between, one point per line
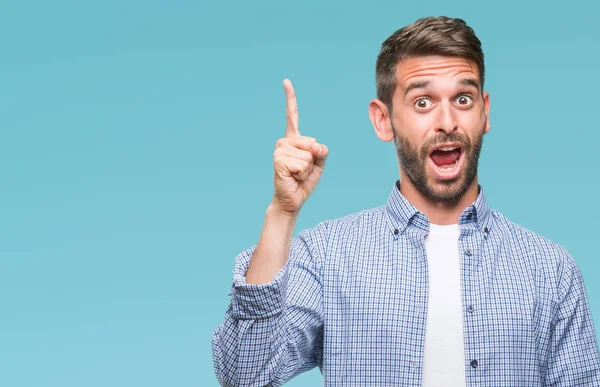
414 163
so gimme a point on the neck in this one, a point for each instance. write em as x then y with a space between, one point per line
441 213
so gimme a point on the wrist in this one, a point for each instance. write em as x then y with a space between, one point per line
274 210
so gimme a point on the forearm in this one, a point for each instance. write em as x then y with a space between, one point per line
273 248
273 331
249 352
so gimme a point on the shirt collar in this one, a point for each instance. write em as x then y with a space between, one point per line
402 214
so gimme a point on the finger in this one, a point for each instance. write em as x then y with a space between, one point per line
320 151
296 153
305 173
300 169
291 110
300 142
297 168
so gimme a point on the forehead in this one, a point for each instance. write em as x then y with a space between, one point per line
430 68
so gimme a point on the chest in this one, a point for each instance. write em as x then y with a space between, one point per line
376 307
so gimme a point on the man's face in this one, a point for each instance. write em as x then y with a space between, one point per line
439 117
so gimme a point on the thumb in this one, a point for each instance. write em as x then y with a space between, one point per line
320 151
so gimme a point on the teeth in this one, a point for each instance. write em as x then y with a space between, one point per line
448 148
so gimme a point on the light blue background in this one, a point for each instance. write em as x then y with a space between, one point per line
136 160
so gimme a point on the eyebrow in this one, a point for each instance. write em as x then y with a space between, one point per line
424 84
470 82
416 85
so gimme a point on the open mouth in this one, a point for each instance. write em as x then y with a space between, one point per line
447 160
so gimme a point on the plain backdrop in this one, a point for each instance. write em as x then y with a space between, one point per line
136 142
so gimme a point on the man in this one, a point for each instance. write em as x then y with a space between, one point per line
434 288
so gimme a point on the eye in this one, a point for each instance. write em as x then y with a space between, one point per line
464 100
422 103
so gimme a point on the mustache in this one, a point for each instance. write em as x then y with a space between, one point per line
444 138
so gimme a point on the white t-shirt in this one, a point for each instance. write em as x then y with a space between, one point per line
444 357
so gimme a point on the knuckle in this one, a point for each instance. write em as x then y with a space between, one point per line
294 167
304 165
306 156
280 159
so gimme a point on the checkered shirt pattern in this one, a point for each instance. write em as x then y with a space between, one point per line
352 300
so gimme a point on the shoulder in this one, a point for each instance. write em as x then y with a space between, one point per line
343 228
530 241
549 258
350 223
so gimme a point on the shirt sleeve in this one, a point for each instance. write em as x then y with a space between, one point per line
574 358
273 331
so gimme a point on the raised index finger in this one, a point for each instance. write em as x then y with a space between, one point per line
291 110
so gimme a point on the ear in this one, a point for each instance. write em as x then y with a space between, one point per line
486 107
380 118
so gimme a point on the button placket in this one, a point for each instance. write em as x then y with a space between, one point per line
470 264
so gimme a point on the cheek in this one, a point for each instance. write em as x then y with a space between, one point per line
414 126
472 121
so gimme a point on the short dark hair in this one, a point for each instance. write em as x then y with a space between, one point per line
441 35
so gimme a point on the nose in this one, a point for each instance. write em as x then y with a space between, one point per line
446 120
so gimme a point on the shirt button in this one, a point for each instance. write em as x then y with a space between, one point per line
486 229
468 252
471 309
469 215
474 363
414 364
396 231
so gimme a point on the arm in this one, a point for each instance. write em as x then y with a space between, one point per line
273 326
273 331
574 359
273 248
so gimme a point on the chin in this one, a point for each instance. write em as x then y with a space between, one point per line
446 190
